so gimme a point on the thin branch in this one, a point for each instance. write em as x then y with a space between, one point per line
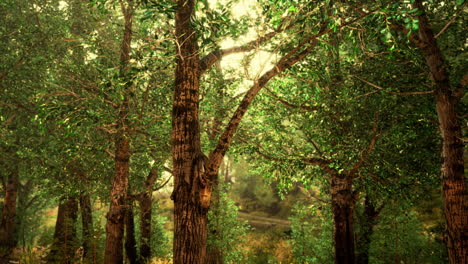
315 146
380 88
412 36
168 170
288 104
369 149
30 202
323 163
110 153
214 56
164 184
451 21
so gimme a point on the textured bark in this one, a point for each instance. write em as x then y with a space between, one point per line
214 255
367 223
8 221
87 225
116 214
115 217
453 179
64 245
130 241
343 206
193 171
192 189
146 211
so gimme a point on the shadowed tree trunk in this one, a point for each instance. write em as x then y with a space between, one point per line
64 244
130 242
453 168
146 211
87 225
8 221
367 223
115 217
343 207
145 200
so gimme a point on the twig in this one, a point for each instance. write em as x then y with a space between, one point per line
288 104
451 21
380 88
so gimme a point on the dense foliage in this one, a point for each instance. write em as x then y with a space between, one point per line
293 118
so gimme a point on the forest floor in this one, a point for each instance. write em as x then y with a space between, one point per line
22 256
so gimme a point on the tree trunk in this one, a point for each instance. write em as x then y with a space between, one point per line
116 214
343 207
8 221
130 242
453 176
193 172
367 223
213 252
87 225
214 255
146 211
340 183
192 189
115 217
64 245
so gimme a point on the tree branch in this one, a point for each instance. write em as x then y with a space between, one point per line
288 104
164 184
369 149
380 88
284 63
295 55
451 21
151 178
214 56
323 163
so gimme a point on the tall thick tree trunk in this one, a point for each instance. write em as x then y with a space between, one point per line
343 207
453 168
146 211
115 217
367 223
191 187
130 242
64 245
87 225
8 221
193 172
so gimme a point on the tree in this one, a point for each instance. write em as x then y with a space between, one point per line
193 171
453 170
64 243
22 74
116 214
417 27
